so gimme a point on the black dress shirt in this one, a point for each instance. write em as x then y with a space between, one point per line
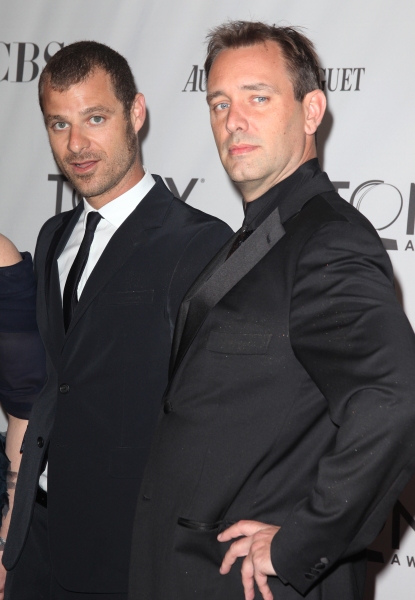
307 175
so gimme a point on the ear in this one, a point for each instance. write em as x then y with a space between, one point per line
138 112
314 104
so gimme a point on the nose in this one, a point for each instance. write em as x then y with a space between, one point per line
236 119
78 140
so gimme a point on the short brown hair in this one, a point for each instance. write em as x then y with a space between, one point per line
298 51
75 63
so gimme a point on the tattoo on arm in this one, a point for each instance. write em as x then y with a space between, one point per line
11 477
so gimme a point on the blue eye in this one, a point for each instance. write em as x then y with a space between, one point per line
260 99
222 106
97 120
60 125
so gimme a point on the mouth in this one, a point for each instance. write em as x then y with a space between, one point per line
83 167
239 149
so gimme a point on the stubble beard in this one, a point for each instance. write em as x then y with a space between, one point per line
242 170
114 171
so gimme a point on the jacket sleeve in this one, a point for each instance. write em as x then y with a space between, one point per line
199 251
352 337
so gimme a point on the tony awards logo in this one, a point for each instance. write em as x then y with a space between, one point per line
383 204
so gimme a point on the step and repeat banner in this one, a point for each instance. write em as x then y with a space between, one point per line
366 142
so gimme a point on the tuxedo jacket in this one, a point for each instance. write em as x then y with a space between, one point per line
106 377
290 401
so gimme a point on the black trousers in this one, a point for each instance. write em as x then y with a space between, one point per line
32 578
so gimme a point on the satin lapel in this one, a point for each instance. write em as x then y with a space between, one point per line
214 288
123 244
53 297
207 272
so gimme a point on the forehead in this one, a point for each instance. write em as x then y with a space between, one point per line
263 62
96 89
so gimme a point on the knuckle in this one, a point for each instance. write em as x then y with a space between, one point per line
247 569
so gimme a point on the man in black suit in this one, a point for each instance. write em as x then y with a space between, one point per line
289 417
111 276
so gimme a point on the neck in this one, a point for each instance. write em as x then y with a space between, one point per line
251 190
128 181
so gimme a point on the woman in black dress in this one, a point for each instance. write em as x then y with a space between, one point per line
22 365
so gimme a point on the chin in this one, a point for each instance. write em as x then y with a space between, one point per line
85 186
241 178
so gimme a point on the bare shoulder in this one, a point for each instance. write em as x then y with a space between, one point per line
9 254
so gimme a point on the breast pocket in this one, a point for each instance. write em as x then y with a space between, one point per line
127 298
238 343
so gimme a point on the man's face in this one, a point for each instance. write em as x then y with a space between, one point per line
94 143
259 128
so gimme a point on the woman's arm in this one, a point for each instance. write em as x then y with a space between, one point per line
14 439
15 433
9 254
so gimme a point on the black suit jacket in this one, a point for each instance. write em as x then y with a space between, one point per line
291 401
106 378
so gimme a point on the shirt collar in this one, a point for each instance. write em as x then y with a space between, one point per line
307 180
116 211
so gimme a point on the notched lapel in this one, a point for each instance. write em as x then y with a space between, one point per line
127 240
124 243
213 288
59 241
53 298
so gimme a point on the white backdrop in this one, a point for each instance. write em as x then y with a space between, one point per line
366 143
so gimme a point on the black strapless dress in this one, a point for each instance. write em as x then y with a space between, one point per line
22 356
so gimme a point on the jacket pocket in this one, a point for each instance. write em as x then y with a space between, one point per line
127 298
196 559
239 343
198 526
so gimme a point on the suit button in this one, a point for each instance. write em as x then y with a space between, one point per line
40 442
167 407
324 560
64 388
309 576
320 566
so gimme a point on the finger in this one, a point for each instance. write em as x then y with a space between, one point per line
240 528
239 548
247 572
262 583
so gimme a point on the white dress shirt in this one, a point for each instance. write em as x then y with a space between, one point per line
113 215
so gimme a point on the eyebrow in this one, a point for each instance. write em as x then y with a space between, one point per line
50 118
98 108
260 86
83 113
255 87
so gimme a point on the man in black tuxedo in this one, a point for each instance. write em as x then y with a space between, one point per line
111 276
289 417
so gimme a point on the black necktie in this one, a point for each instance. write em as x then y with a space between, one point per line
244 235
70 297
